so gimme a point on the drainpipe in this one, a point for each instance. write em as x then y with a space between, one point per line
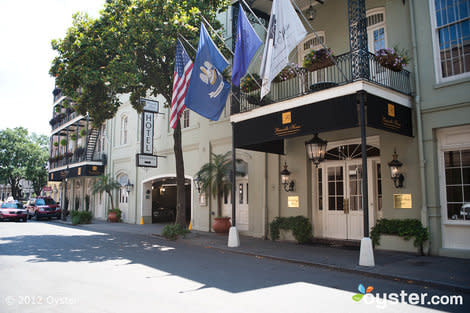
136 187
422 162
266 189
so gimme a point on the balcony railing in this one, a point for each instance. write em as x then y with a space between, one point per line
79 155
60 119
331 76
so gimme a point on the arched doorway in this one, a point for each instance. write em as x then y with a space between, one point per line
339 191
123 200
164 199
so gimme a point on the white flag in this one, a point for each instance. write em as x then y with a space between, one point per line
285 32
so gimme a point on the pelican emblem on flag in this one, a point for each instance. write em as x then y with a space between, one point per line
209 75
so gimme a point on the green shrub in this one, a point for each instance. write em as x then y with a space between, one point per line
75 219
81 217
405 228
173 231
300 226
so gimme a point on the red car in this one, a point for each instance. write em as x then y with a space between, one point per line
43 207
13 211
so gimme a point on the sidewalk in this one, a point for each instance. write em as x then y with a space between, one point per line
432 271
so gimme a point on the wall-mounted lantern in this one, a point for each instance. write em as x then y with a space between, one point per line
316 149
128 186
198 183
396 174
285 179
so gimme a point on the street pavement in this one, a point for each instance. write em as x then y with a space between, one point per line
52 267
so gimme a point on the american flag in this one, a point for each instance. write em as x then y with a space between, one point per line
183 69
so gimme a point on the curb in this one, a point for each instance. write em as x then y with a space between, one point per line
397 278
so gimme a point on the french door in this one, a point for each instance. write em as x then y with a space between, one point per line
241 204
343 218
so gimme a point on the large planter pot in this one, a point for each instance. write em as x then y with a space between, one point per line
221 225
112 217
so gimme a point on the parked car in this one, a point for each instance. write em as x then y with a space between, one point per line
13 211
43 207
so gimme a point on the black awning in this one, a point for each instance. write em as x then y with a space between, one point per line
389 116
267 133
80 171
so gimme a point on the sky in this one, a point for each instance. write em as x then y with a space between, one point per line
26 30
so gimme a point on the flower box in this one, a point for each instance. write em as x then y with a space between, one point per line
318 59
393 59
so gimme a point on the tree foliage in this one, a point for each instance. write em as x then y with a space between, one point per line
22 157
215 177
130 48
105 183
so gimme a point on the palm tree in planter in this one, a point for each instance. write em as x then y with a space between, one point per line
214 178
106 183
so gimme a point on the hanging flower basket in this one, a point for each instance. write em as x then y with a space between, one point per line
288 72
318 59
393 59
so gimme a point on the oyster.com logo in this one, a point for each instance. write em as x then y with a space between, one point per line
363 291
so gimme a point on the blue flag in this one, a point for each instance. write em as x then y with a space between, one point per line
208 91
246 46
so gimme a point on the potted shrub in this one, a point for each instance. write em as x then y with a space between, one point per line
395 59
106 183
215 179
56 144
318 59
83 132
73 137
63 142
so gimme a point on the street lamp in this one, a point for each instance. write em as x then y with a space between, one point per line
316 149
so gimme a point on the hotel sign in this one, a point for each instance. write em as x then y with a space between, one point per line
147 133
293 201
402 201
144 160
150 105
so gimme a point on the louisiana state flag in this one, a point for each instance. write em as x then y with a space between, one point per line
208 91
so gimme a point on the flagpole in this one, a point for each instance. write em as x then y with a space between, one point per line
320 41
186 40
257 18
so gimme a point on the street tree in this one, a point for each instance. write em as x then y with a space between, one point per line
36 164
130 48
22 157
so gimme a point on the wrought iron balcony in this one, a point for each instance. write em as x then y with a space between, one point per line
62 118
78 156
330 76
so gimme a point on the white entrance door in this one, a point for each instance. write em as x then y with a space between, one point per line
343 201
241 204
123 203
